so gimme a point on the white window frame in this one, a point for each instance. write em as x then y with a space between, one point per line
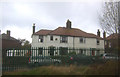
82 40
40 39
63 39
98 42
51 38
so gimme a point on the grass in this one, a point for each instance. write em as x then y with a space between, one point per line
51 70
109 68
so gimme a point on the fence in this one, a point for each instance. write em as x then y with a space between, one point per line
14 59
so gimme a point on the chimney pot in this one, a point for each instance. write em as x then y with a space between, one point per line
98 33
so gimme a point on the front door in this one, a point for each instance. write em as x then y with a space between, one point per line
52 49
93 52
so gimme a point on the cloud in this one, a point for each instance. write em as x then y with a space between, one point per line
19 17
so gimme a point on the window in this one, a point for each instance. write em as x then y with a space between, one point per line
80 51
40 51
82 40
98 42
17 53
51 38
63 39
51 50
85 51
40 39
63 50
56 39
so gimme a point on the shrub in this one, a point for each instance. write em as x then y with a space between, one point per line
72 53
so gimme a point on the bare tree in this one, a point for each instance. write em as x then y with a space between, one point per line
108 18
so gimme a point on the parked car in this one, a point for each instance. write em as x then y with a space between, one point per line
43 60
110 56
80 59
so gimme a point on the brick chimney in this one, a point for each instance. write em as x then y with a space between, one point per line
33 28
98 33
68 24
104 35
8 34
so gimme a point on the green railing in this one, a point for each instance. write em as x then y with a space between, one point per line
14 59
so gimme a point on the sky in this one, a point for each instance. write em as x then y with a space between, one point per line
18 17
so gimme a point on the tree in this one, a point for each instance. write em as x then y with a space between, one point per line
25 43
109 18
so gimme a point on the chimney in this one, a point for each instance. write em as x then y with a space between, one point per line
8 33
98 33
33 28
68 24
104 34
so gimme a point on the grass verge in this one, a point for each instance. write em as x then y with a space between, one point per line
109 68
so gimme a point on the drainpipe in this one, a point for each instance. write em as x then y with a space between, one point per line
73 42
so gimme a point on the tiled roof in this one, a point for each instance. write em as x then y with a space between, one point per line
67 32
113 36
42 32
5 36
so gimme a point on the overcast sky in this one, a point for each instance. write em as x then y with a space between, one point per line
19 17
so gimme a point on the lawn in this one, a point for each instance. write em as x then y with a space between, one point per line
109 68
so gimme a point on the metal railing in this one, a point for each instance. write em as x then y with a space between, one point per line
15 59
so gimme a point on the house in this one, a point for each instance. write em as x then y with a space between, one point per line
68 37
112 41
8 42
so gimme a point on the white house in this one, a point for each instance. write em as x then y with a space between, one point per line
68 37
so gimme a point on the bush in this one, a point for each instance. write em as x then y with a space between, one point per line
72 53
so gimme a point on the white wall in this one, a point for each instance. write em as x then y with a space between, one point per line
47 42
89 43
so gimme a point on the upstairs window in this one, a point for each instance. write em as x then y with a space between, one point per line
63 39
51 38
98 42
82 40
40 39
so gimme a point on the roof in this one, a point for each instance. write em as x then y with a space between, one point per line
6 37
42 32
67 32
113 36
